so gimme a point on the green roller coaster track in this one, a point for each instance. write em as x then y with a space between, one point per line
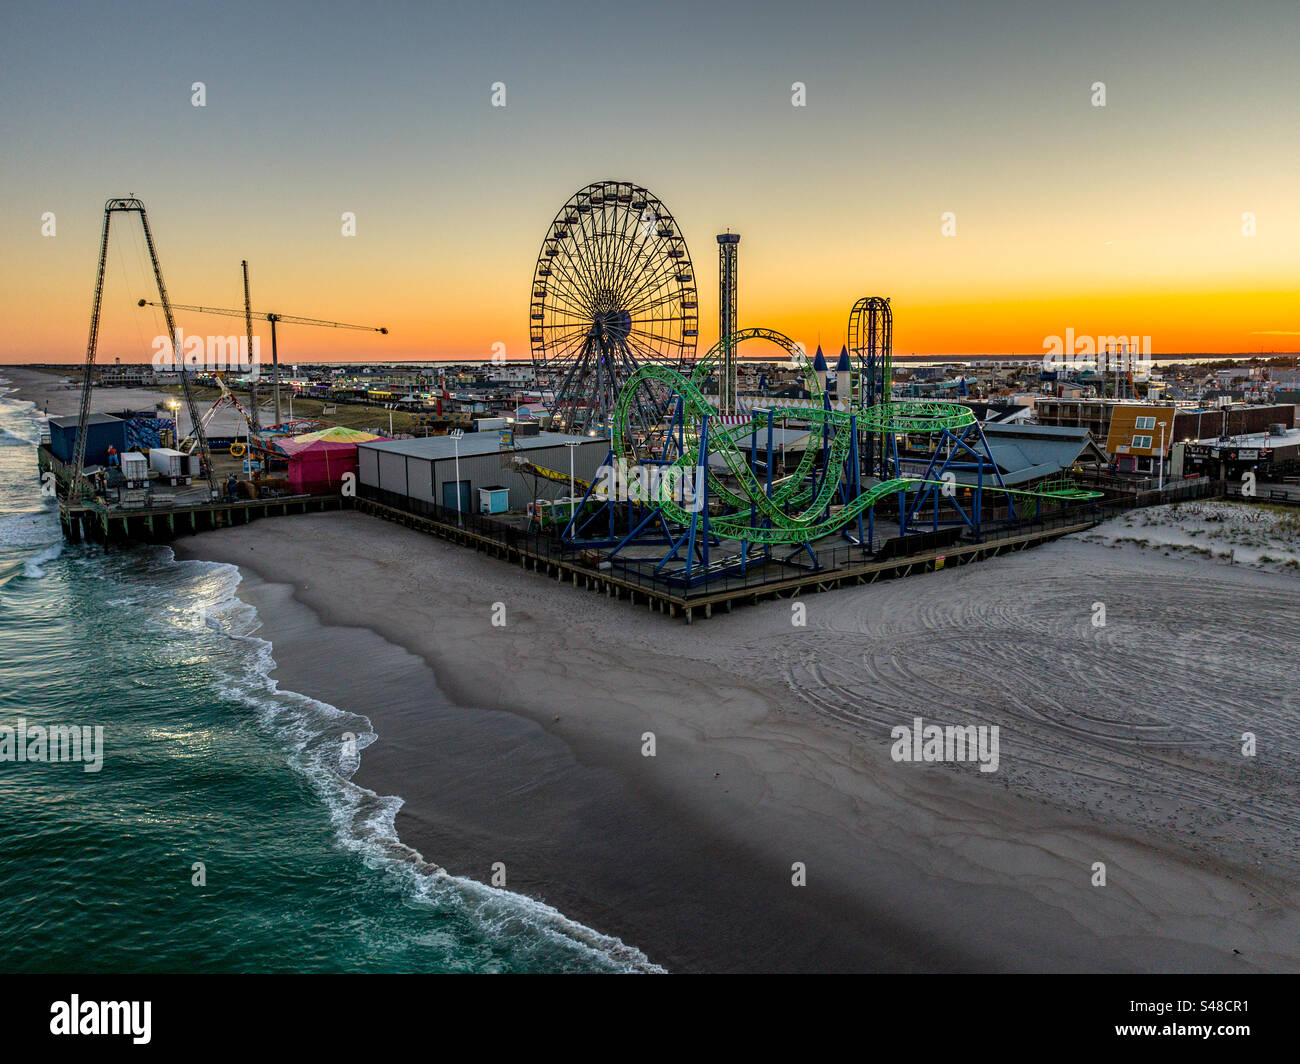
793 512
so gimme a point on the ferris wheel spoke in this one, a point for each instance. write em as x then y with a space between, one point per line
645 250
564 390
563 327
568 276
645 323
574 277
558 327
653 280
598 244
648 352
649 251
638 246
562 354
668 330
653 339
631 232
577 263
565 301
655 300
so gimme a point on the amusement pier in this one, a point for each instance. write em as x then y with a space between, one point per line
628 461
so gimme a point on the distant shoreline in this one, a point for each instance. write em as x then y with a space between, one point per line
1027 357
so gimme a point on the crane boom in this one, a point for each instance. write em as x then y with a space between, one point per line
255 424
247 314
288 319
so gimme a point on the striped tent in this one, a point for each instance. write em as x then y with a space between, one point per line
318 461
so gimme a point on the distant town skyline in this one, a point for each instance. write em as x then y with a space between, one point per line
956 158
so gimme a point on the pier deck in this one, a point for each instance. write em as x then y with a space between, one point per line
532 553
109 524
840 567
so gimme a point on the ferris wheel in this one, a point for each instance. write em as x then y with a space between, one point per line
613 290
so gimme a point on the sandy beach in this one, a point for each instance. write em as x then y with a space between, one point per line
523 744
57 395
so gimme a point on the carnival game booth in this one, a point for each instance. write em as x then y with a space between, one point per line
318 461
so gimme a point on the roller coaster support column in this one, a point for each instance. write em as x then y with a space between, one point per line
964 451
697 545
678 425
892 459
621 498
700 495
745 545
825 449
767 547
851 482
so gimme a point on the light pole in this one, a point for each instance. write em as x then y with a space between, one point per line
176 417
572 445
455 435
1162 456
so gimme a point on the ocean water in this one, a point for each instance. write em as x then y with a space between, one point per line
206 761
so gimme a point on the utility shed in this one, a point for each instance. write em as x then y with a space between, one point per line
425 469
1026 453
102 430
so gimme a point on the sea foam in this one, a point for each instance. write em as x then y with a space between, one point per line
312 733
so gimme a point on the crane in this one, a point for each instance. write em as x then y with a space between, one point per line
128 205
254 425
273 318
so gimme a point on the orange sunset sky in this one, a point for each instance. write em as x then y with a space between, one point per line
1123 219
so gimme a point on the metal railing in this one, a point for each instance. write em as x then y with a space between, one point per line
782 563
1280 496
1115 482
779 564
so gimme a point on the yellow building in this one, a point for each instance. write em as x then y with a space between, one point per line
1140 436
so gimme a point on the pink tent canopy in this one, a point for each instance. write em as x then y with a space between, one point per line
318 465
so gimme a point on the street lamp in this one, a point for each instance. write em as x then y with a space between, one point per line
572 445
455 435
176 417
